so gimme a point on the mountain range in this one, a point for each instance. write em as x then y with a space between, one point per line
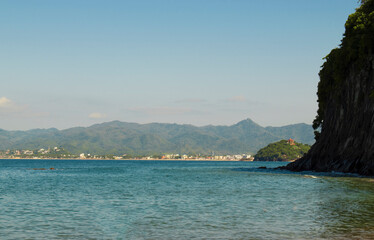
139 139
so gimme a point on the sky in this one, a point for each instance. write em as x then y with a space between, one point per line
77 63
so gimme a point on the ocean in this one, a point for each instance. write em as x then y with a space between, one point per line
179 200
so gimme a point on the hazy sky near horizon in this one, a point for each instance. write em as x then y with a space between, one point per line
75 63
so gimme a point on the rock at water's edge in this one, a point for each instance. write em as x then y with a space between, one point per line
346 103
346 143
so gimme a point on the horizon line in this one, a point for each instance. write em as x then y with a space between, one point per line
146 123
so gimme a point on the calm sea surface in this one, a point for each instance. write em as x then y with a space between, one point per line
179 200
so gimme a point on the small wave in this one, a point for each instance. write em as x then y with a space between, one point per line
310 176
41 169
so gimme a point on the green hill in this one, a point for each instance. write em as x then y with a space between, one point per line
284 150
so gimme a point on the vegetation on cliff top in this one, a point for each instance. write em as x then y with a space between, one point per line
282 151
357 44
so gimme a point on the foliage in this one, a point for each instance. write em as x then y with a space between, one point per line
356 45
282 151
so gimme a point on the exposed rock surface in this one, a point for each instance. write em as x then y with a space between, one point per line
346 143
346 102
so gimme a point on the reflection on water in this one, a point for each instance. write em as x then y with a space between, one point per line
179 200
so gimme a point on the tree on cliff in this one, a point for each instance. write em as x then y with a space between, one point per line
356 45
282 151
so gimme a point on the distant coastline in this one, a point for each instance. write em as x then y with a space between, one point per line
130 159
140 140
60 153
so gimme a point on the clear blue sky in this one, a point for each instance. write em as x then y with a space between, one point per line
76 63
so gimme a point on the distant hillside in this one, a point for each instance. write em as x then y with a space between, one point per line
120 137
284 150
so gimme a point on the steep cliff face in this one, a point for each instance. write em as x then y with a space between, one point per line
346 142
346 103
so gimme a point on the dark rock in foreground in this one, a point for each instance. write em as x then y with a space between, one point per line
346 143
346 103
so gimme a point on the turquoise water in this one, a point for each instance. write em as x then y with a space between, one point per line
179 200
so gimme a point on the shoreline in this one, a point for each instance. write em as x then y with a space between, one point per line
110 159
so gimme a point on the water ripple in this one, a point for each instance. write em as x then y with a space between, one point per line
180 200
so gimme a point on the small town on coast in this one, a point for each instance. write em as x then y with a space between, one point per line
61 153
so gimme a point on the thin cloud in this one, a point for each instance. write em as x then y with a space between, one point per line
8 106
237 99
243 101
12 110
162 110
97 115
4 102
191 100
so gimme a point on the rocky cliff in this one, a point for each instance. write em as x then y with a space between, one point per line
345 118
